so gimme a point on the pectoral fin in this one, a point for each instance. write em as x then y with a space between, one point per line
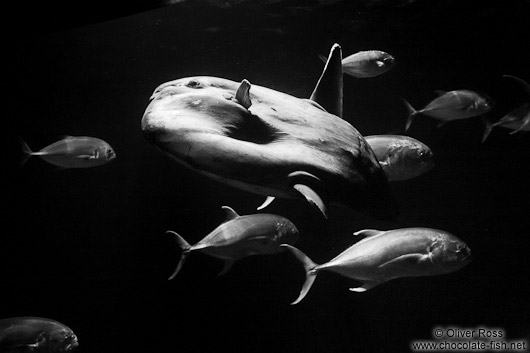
243 94
266 203
365 233
301 181
405 261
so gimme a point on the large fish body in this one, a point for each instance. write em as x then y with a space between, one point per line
453 105
241 236
384 255
365 64
74 152
402 157
35 334
268 142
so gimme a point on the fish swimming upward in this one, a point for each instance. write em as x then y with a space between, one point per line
366 64
73 152
241 236
453 105
270 143
401 157
385 255
35 334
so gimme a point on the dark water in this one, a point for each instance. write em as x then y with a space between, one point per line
87 247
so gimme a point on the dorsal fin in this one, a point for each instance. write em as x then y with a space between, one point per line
230 213
243 95
328 91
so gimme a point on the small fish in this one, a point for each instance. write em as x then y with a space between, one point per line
453 105
241 236
517 119
365 64
73 152
401 157
385 255
35 334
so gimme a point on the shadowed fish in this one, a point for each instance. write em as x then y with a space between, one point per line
453 105
402 157
385 255
270 143
366 64
518 119
241 236
73 152
35 334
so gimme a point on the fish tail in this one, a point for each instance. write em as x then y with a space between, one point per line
488 126
309 267
185 247
411 113
26 151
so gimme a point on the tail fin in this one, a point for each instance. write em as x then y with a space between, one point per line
488 126
309 267
411 114
25 150
183 244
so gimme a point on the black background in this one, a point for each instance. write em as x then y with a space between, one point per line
87 247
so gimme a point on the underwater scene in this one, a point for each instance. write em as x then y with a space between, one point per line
270 176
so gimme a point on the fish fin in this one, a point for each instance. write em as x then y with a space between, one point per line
488 127
243 94
312 197
525 123
26 152
405 260
441 123
323 58
366 286
185 247
230 213
266 203
440 92
328 90
525 84
411 113
366 233
309 267
227 266
383 163
379 63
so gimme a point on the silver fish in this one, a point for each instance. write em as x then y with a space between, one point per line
366 64
384 255
35 334
241 236
402 157
270 143
453 105
73 152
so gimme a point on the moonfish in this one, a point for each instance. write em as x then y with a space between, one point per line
35 334
74 152
366 64
241 236
270 143
402 157
384 255
453 105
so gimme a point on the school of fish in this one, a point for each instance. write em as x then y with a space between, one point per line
279 146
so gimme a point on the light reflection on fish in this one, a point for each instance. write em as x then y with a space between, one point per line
402 157
241 236
385 255
35 334
366 64
453 105
73 152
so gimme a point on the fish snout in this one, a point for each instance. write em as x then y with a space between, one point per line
456 254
